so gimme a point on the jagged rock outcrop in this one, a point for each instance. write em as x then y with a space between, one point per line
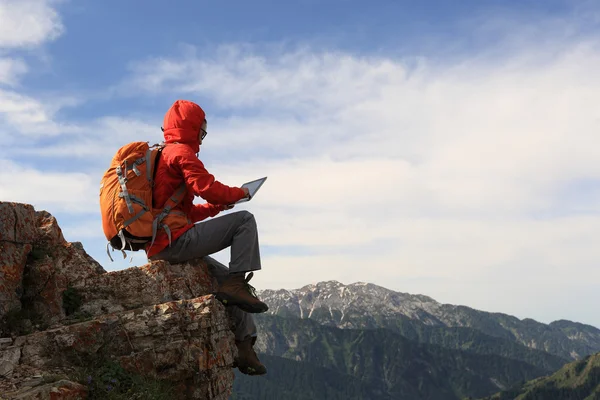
17 233
61 312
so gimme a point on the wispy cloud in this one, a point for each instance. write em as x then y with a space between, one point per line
96 141
25 25
297 81
72 192
32 118
464 166
470 138
28 23
11 70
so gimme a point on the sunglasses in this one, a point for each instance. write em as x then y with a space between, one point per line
203 130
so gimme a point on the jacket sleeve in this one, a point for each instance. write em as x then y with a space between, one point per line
203 211
200 182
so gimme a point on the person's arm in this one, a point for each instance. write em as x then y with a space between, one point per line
203 211
202 183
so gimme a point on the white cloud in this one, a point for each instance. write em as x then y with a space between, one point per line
26 118
476 135
300 81
467 171
11 70
96 142
72 192
28 23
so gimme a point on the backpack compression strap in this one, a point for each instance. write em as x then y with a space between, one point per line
122 176
169 205
130 199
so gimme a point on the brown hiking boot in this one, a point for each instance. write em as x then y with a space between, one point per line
236 291
247 361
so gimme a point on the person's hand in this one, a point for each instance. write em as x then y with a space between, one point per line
246 192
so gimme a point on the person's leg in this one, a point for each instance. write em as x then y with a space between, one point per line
244 328
247 360
244 322
237 230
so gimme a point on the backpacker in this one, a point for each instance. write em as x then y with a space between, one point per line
128 218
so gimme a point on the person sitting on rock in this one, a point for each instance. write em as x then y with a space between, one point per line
184 129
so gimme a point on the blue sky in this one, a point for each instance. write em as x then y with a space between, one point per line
434 147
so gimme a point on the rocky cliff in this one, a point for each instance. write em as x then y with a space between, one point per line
69 329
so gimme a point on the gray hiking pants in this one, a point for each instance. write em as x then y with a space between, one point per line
237 230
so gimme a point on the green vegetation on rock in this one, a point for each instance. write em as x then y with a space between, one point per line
109 381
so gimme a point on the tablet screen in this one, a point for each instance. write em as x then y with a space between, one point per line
253 187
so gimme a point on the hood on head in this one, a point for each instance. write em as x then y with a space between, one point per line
182 123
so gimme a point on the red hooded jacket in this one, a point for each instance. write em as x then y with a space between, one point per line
178 163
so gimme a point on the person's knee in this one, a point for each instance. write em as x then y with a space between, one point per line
245 215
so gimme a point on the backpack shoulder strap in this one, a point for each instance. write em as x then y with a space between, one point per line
171 202
169 205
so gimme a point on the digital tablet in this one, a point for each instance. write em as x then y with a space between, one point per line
253 187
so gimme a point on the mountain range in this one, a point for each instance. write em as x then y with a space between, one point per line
367 306
363 341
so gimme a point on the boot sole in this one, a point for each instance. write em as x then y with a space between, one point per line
249 308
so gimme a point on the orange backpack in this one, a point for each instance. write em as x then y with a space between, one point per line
128 218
